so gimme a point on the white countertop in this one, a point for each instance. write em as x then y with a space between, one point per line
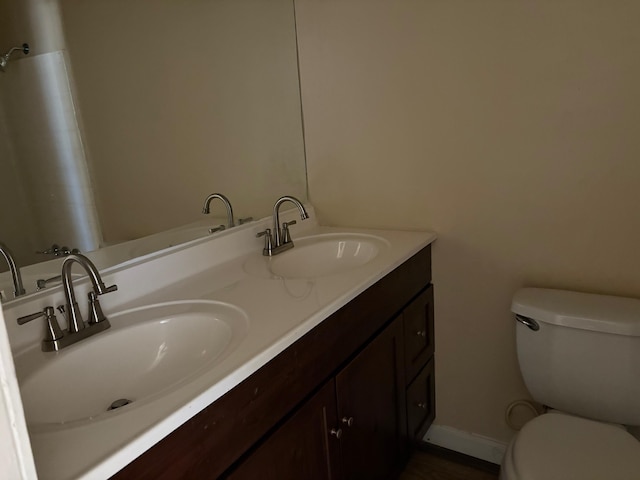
228 268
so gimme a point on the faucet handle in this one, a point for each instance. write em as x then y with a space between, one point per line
33 316
54 332
43 283
268 241
286 235
219 228
96 315
102 289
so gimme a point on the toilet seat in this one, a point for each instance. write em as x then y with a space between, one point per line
558 446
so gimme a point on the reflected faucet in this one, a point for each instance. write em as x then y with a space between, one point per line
16 277
74 317
281 239
227 205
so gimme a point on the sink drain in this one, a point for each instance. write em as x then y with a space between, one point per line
121 402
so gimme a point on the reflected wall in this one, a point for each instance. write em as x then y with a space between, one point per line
182 99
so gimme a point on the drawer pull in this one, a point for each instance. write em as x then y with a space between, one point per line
348 421
336 433
422 405
421 333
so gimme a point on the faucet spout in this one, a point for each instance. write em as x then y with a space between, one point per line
278 240
16 277
74 316
227 205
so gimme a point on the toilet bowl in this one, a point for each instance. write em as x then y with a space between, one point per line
579 353
555 446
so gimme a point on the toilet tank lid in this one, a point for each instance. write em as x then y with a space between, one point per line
587 311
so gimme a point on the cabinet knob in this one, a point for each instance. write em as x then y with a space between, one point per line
348 421
421 333
422 405
336 433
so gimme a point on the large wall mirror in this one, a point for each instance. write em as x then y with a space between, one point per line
128 113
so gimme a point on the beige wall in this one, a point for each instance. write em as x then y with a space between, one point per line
510 128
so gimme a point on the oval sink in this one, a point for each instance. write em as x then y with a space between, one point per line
147 351
327 254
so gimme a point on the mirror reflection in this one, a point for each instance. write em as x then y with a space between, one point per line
126 114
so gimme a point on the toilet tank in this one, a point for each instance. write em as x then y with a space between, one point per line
585 357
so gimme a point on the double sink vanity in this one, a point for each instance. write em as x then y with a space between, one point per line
223 362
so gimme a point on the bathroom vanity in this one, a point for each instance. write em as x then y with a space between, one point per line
328 371
351 380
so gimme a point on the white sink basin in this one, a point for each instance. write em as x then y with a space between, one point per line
147 352
326 254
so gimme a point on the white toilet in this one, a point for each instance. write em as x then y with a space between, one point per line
580 356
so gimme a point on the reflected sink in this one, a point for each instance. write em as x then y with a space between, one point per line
29 282
327 254
146 353
160 241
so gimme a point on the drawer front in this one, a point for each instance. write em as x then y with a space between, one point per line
421 402
418 333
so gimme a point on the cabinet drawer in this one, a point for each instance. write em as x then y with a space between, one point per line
418 333
421 402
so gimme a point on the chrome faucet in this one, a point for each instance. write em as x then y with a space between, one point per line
281 240
16 277
57 339
74 317
227 204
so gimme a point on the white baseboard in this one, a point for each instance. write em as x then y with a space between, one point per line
468 443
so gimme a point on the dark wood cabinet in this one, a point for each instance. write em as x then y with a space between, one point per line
371 397
303 447
349 377
419 364
352 429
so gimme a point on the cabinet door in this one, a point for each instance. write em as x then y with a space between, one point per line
302 448
370 394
